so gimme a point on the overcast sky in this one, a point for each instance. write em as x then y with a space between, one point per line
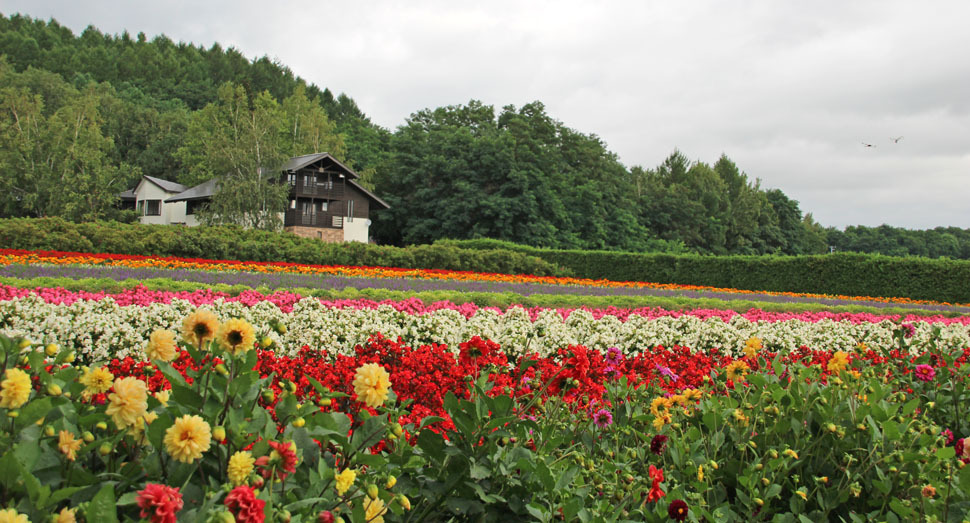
788 90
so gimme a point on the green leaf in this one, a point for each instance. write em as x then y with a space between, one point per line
542 472
891 430
910 406
432 444
757 380
903 511
34 411
128 498
101 508
479 471
173 376
428 420
186 397
947 453
157 428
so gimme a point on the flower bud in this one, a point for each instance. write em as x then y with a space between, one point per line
831 427
391 481
51 349
403 501
24 343
221 369
299 422
324 402
87 436
219 433
266 342
49 431
54 389
760 502
396 429
101 425
13 413
71 356
269 395
325 516
105 449
372 491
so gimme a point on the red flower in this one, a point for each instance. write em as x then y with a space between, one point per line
287 457
657 475
159 502
658 444
677 510
244 506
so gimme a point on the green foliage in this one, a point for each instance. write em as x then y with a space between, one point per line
845 274
235 243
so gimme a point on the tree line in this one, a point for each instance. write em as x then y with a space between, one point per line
83 117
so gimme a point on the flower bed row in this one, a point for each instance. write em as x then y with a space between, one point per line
212 429
23 257
101 327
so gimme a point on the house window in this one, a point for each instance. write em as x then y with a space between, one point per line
350 210
308 208
141 207
293 202
291 178
324 183
307 180
193 207
153 207
324 206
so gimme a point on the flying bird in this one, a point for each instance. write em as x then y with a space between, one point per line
868 144
896 139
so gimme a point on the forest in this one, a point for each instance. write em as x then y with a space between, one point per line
83 117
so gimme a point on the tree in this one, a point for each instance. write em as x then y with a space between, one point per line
239 145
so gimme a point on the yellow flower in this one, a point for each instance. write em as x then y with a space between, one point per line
66 515
838 362
752 346
659 422
188 438
374 510
790 453
137 430
236 336
199 327
128 402
12 516
802 494
344 480
679 399
739 416
659 403
693 394
371 384
68 445
97 380
162 397
240 467
15 389
161 345
736 370
700 473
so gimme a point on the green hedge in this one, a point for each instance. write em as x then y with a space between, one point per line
234 243
840 273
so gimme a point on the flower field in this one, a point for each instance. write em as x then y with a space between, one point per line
185 406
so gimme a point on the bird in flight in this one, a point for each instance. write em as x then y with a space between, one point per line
868 144
896 139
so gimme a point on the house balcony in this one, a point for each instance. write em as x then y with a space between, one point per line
330 191
321 220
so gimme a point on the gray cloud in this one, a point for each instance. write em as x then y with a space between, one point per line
787 90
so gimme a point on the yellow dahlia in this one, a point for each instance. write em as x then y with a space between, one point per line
97 380
12 516
15 389
752 346
162 397
240 467
66 515
137 430
374 510
161 345
128 402
188 438
68 445
736 370
236 336
838 362
371 383
344 480
199 327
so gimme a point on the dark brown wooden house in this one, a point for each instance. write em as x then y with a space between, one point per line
325 200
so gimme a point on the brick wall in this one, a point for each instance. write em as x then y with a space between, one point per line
324 234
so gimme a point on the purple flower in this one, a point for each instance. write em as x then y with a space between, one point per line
611 372
910 330
667 372
614 356
925 372
603 418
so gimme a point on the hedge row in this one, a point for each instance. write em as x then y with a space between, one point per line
234 243
849 274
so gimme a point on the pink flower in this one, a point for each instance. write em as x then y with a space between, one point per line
925 372
242 502
603 418
159 502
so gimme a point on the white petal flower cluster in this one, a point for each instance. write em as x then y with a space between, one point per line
101 329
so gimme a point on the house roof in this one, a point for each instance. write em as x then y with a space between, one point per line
203 191
127 195
298 162
369 194
166 185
